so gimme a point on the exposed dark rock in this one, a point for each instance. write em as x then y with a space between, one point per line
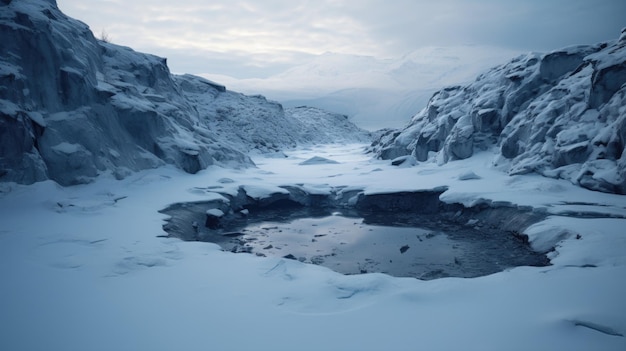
403 161
606 81
460 142
568 154
274 200
486 120
304 198
213 218
419 201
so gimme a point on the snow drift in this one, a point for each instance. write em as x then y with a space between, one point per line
73 107
561 114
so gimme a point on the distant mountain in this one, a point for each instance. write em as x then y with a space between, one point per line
374 93
560 114
73 107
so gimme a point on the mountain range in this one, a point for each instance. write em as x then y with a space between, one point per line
374 93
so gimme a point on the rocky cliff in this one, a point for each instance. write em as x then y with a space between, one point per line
73 107
561 114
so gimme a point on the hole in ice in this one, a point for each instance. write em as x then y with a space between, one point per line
350 241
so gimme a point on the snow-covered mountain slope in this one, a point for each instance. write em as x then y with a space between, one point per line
320 126
561 114
73 107
370 108
374 93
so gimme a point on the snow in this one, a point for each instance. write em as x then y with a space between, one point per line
404 161
131 103
8 107
89 267
317 160
83 268
261 191
215 212
66 148
469 175
577 239
37 118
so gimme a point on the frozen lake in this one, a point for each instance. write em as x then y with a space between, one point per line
350 242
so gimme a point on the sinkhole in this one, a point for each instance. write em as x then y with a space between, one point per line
428 240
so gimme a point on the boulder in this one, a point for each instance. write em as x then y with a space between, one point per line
213 218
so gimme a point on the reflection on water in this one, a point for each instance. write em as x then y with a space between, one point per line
350 244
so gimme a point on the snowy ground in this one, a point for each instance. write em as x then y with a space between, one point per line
82 268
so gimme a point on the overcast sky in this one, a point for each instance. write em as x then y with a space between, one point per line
246 39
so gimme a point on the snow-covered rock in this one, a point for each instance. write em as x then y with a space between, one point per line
317 160
325 127
73 107
561 114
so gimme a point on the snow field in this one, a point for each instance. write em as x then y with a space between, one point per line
82 268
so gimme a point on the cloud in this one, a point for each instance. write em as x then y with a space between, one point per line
274 33
531 24
231 26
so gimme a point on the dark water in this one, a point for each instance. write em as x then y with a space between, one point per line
402 245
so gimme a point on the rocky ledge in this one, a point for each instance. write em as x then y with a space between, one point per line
73 107
561 114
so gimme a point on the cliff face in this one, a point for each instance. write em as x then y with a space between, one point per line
561 114
73 107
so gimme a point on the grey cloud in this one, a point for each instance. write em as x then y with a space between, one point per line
530 25
270 33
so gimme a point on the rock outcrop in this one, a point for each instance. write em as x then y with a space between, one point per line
561 114
73 107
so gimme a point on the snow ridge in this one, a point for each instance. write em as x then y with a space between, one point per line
73 107
561 114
